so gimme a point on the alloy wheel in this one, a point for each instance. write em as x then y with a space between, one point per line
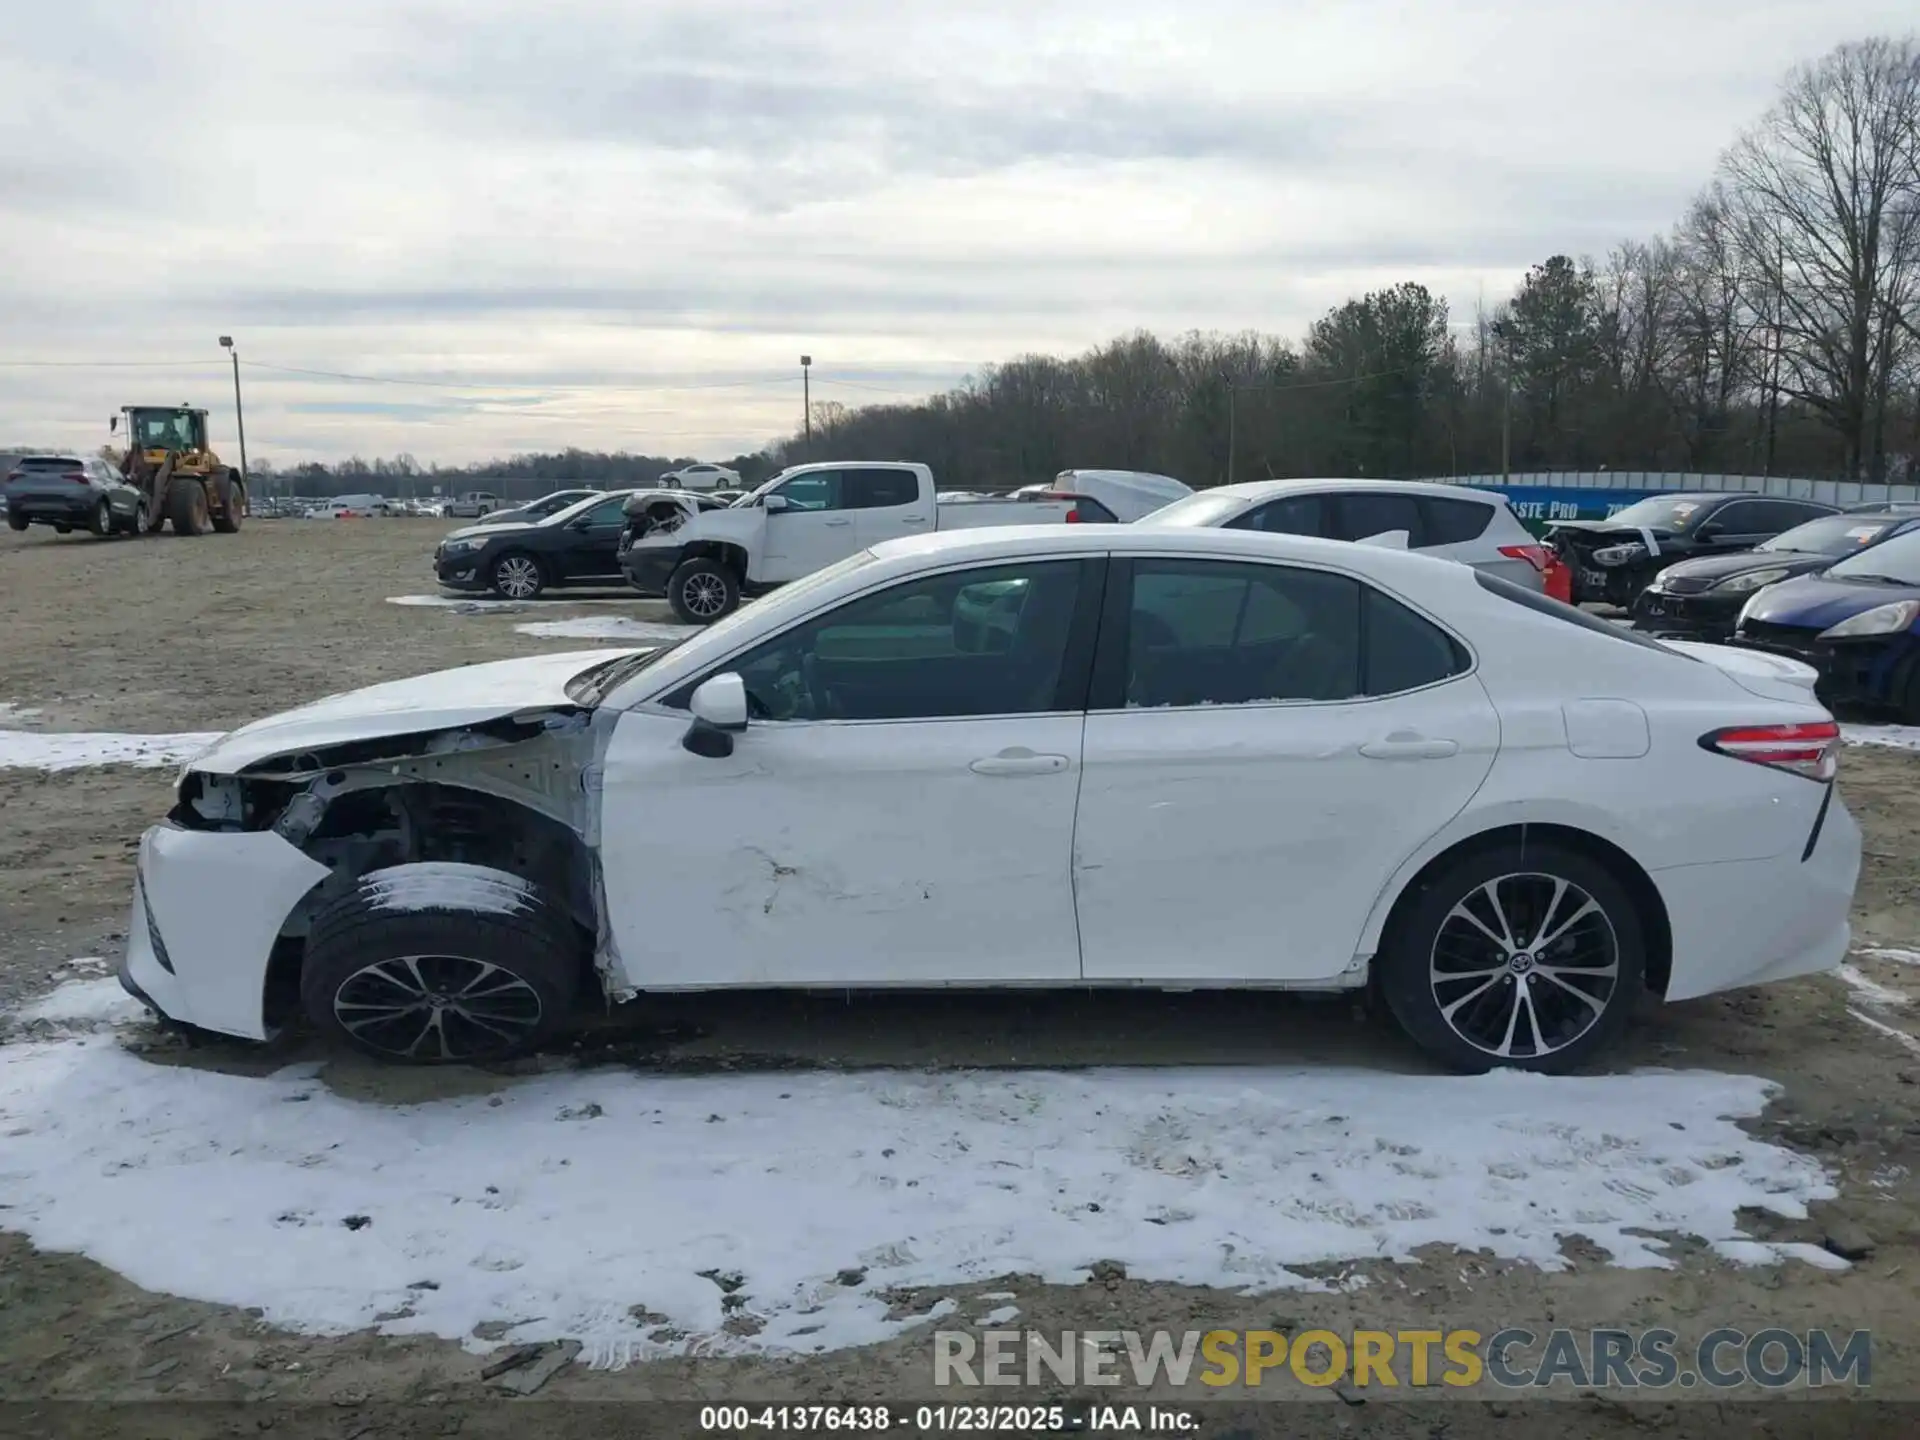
517 577
1524 965
437 1007
704 595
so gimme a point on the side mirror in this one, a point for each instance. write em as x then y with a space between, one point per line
719 709
776 503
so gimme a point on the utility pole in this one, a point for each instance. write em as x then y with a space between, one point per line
1504 331
239 414
806 395
1227 380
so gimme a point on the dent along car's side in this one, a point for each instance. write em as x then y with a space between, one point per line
1067 756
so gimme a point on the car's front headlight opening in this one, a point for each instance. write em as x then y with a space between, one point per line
1881 620
1752 580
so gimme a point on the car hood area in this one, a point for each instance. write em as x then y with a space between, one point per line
484 531
443 700
1818 601
1708 570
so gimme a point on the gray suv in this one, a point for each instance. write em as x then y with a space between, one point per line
72 492
1475 527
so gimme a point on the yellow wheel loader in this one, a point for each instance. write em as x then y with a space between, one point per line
178 475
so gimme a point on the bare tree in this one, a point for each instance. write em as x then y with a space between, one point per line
1827 199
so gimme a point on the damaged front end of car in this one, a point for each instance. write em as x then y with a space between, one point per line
249 855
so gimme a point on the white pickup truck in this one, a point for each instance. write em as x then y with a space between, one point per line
802 520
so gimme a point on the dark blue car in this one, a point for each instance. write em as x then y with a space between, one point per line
1854 622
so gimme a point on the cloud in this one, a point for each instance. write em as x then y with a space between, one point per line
633 219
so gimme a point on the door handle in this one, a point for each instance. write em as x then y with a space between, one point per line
836 522
1019 761
913 519
1409 747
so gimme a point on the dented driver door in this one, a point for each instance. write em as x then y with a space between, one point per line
899 811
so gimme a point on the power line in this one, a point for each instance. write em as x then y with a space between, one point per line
523 385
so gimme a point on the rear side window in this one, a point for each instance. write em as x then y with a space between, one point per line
49 463
1404 651
1362 514
1453 522
878 489
1572 614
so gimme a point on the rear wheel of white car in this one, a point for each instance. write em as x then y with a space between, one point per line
1526 957
702 591
517 576
475 967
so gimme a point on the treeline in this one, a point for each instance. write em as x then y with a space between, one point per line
1775 329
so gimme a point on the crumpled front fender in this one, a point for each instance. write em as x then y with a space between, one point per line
217 902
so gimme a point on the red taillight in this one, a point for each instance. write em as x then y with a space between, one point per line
1073 516
1535 555
78 477
1812 750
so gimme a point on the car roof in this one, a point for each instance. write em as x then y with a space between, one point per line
1016 541
51 458
1256 490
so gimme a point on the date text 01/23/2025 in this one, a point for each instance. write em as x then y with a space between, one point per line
950 1419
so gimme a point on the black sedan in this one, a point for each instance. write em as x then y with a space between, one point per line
575 546
1613 559
1701 599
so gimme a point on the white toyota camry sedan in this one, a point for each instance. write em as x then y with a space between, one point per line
1062 756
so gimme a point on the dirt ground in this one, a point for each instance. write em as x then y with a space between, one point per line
164 635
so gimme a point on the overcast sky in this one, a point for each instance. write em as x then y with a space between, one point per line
618 223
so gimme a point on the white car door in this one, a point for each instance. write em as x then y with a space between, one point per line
899 811
808 529
886 504
1255 770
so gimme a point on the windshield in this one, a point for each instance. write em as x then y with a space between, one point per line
784 604
1831 535
1197 511
1659 512
1897 560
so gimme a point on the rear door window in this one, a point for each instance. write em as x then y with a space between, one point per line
878 489
1362 514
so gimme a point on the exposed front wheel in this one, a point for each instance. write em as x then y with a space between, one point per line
702 591
187 507
517 577
437 964
1525 957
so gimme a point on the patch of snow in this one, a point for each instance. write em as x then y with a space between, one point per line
1892 1032
444 884
1872 993
466 604
1899 737
473 1208
17 714
1899 957
608 627
993 1319
94 1001
81 749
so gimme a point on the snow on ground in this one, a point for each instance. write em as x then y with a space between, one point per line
17 715
90 1001
1898 957
1899 737
566 1201
1870 992
482 603
75 750
607 627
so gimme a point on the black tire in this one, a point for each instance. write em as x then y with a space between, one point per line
100 522
187 507
1492 1013
389 981
702 591
233 506
517 575
17 522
